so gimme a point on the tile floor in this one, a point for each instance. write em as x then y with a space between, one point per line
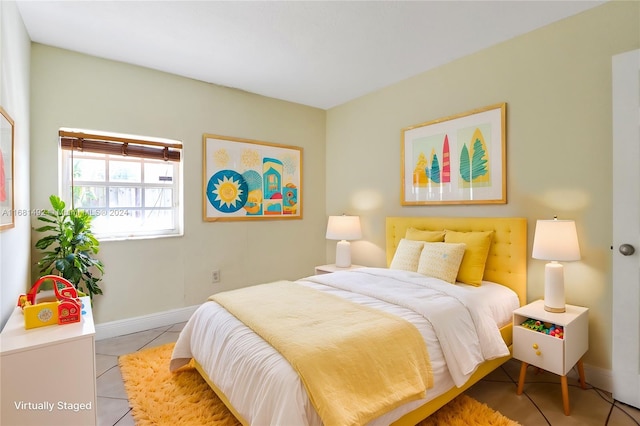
540 404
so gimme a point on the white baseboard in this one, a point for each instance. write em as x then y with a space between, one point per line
142 323
599 377
596 377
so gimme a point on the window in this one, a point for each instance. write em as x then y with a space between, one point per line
131 186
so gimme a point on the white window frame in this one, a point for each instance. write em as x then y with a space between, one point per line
67 182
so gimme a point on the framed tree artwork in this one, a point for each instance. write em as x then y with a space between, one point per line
459 159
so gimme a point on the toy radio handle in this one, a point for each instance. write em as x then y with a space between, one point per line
66 309
67 292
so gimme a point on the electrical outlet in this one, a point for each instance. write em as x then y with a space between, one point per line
215 276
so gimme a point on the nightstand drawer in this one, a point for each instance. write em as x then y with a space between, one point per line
539 349
556 355
559 350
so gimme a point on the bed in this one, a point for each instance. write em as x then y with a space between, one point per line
261 387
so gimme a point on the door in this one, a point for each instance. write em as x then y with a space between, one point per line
626 227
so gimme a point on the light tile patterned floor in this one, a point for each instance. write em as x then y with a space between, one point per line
541 403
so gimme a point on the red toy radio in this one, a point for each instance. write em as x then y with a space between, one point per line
65 309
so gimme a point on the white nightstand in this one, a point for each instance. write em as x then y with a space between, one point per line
327 269
48 373
549 352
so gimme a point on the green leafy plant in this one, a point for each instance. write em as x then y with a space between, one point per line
69 247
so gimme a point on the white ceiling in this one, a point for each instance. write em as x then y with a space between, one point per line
317 53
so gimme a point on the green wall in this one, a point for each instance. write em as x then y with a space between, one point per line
155 275
15 48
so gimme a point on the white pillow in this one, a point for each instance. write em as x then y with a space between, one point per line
441 260
407 255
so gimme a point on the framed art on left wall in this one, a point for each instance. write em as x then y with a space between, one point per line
7 208
245 179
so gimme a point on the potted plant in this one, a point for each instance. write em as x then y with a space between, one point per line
69 247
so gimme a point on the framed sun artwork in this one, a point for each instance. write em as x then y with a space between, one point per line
246 179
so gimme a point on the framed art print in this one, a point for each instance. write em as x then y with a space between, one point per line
456 160
250 180
7 211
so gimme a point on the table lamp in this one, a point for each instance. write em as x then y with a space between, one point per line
343 228
557 241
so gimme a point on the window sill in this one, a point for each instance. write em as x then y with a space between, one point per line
108 239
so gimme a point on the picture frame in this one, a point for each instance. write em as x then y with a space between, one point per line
460 159
7 198
246 179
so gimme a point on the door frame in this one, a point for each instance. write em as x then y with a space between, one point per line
626 227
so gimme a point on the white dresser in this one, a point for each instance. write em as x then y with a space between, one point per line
48 374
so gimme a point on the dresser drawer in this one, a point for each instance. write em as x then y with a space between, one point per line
539 349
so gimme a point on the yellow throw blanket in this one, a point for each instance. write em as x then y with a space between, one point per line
356 362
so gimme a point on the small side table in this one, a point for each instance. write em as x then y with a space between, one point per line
327 269
48 373
548 352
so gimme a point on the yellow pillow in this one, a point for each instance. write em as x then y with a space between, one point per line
407 255
441 260
424 235
475 255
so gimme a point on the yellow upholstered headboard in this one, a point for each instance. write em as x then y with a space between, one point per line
507 260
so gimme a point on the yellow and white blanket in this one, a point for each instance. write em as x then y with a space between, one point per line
460 330
356 362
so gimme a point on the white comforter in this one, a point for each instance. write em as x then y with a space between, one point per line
460 325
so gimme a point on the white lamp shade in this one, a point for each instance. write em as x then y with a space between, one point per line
556 240
344 228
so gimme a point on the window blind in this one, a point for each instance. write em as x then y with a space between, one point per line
116 145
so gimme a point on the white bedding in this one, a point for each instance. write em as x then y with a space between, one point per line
460 325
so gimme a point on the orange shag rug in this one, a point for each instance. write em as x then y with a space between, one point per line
158 397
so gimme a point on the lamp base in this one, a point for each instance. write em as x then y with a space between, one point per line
343 254
554 287
554 310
